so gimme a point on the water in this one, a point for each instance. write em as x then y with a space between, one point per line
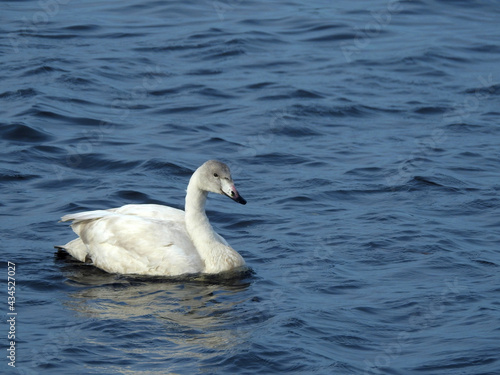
364 135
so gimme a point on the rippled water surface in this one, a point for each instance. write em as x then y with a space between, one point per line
364 135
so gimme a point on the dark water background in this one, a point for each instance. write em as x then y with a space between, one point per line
365 136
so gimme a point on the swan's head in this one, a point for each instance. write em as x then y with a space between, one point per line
215 177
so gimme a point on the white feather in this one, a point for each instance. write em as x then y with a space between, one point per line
152 239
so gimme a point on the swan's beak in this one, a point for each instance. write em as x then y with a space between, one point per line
239 199
229 189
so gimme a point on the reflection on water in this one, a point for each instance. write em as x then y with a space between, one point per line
197 315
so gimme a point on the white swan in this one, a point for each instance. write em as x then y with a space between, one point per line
150 239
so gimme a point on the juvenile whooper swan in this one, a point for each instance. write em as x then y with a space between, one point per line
151 239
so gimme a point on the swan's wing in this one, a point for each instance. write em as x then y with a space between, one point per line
127 243
156 211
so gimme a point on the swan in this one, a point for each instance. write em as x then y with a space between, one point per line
157 240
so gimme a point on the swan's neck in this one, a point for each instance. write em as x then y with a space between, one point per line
216 255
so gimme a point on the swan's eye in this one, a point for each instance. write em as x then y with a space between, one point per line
216 175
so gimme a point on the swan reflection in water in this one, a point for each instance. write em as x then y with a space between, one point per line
196 317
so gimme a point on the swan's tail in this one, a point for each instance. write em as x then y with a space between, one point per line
88 215
76 247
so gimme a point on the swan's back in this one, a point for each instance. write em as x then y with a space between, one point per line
135 239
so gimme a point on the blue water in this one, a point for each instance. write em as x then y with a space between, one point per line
364 135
